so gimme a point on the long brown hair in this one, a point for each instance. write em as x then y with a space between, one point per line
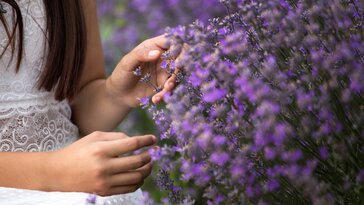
66 41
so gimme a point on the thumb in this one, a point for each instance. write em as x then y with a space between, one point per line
149 50
137 57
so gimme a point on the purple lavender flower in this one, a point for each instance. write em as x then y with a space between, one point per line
146 78
138 71
269 104
144 102
219 158
91 199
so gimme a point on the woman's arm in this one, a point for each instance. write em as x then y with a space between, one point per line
92 164
24 170
102 103
93 109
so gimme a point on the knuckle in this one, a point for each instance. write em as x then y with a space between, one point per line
134 143
138 162
99 171
97 133
97 151
137 53
122 134
130 143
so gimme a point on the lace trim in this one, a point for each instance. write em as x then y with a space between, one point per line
32 104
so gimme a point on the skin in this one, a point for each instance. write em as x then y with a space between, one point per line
97 163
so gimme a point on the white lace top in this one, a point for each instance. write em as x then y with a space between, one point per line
31 119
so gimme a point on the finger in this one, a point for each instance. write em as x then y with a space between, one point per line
161 42
168 87
147 51
170 83
127 178
131 177
135 58
105 136
123 146
145 170
123 164
185 49
180 59
109 136
173 52
123 189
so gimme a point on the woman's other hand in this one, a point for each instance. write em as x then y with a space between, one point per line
95 164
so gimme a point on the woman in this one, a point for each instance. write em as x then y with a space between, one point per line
51 66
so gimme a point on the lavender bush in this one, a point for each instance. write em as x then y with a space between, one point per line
125 23
269 107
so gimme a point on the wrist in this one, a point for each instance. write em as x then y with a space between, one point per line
115 96
38 177
51 179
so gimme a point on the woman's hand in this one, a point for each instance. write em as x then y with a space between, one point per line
101 104
94 164
125 87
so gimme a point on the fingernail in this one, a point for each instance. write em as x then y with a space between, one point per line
153 53
154 138
157 98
